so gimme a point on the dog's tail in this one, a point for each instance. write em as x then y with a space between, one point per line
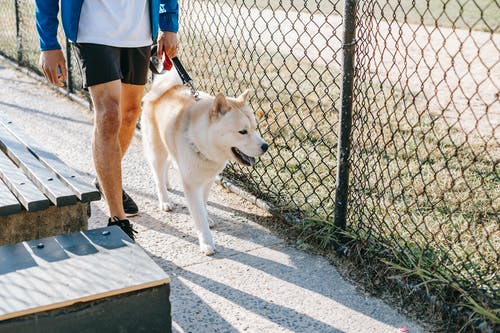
162 83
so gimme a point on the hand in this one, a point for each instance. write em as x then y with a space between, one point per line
167 42
51 61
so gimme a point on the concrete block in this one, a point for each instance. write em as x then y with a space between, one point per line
44 223
92 281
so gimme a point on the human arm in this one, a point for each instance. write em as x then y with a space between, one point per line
51 57
169 25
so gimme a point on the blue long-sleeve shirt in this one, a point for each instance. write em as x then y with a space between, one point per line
164 15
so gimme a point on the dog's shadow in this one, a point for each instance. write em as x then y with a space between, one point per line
232 221
244 228
241 238
193 313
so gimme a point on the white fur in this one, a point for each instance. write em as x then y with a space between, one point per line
198 136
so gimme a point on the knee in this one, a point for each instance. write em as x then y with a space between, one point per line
107 118
130 115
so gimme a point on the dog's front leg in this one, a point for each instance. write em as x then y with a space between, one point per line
195 196
206 192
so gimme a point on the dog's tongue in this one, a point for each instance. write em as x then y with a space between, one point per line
248 159
243 158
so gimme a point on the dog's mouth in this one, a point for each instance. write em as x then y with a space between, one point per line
242 158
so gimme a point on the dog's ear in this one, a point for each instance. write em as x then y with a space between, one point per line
220 107
243 97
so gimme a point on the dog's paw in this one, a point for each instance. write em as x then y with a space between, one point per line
207 249
166 206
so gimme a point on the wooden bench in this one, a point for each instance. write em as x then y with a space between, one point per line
91 281
40 195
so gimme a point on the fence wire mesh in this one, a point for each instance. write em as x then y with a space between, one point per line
8 36
425 149
281 53
424 153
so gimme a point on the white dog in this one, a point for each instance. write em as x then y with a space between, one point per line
201 136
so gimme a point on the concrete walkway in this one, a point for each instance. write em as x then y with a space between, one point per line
255 283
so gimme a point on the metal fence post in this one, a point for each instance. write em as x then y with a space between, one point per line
342 182
69 68
19 45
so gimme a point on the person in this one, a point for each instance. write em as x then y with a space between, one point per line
112 41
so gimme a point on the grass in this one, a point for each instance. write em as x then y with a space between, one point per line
430 193
301 126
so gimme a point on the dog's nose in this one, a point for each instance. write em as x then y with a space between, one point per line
264 147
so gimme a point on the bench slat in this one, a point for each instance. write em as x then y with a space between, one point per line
8 202
82 189
45 180
23 188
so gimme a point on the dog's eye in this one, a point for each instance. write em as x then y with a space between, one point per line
243 132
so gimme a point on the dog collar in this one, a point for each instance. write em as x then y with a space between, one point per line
195 148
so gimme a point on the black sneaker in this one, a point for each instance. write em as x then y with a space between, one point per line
125 225
129 205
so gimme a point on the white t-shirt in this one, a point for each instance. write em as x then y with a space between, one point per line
120 23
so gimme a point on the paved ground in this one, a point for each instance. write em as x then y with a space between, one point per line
255 283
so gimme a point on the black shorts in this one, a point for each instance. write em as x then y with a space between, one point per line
102 63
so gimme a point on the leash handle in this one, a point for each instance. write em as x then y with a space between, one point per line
167 63
159 67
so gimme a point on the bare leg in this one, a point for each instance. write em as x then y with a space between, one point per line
106 149
130 106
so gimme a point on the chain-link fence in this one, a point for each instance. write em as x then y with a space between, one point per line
383 119
425 150
425 177
19 40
